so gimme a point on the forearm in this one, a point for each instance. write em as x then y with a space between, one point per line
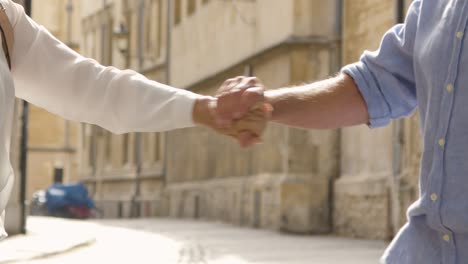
328 104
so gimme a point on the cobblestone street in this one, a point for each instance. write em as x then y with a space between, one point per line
188 242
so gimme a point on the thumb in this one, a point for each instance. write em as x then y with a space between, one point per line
250 98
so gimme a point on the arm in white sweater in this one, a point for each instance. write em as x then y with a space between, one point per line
50 75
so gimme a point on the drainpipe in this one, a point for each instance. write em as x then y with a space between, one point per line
135 209
140 52
336 64
93 150
168 82
397 147
135 212
168 63
24 147
400 11
69 8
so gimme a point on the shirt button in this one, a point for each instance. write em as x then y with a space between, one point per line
459 34
441 142
434 197
446 238
449 88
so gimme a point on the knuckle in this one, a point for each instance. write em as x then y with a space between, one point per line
229 81
255 80
239 78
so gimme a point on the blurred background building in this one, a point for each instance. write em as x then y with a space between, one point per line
352 182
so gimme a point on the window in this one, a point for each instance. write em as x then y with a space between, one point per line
177 12
148 28
191 7
58 175
159 25
106 39
92 151
89 43
140 36
108 147
145 147
157 148
84 137
152 30
104 44
133 47
125 143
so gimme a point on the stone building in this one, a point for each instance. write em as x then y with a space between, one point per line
297 181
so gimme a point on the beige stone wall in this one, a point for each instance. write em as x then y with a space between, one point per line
361 192
367 191
220 34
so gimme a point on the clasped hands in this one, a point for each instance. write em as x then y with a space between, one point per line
238 110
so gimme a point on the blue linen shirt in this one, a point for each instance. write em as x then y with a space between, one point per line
424 63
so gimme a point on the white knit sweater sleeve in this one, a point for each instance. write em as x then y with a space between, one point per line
50 75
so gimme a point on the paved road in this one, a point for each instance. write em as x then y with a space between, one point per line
188 242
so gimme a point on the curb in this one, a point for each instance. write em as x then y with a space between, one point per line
56 252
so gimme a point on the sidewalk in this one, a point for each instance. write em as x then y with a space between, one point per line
46 237
175 241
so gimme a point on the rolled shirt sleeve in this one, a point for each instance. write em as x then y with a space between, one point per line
385 77
50 75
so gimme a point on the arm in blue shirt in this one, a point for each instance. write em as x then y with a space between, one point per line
385 77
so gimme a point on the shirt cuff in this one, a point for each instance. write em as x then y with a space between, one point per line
183 108
379 112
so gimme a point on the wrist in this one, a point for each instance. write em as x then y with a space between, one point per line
271 98
201 113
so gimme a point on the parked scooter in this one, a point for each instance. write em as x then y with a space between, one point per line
64 200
